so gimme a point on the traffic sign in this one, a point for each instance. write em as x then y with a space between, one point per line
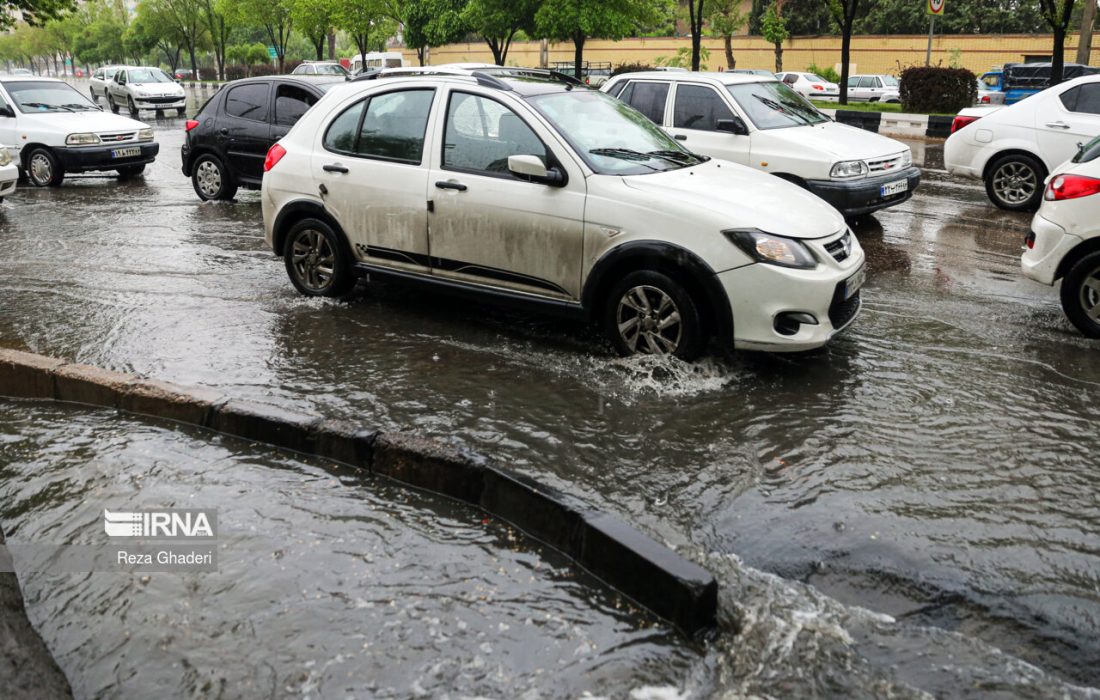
935 7
273 53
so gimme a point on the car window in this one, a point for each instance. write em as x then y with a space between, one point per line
790 79
853 82
774 105
867 82
148 75
343 130
394 124
248 101
1083 99
291 103
991 80
649 99
890 81
615 89
699 107
482 133
1088 152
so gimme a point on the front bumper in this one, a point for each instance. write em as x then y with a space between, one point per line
1040 262
76 160
863 196
9 175
160 103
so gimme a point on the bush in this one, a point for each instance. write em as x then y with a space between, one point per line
631 68
828 74
235 72
937 89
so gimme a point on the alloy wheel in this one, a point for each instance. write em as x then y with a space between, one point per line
649 321
312 260
209 177
1090 295
1015 182
41 169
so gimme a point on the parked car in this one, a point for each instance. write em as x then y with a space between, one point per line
145 88
873 88
1064 241
1013 148
377 60
762 123
321 68
16 72
54 130
751 71
811 86
9 172
516 185
187 74
225 144
99 79
1015 81
593 73
986 96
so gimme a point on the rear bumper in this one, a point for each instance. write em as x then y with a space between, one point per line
1052 243
855 197
76 160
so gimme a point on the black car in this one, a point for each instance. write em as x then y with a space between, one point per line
228 139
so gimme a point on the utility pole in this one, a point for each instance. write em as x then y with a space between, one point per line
928 51
1084 41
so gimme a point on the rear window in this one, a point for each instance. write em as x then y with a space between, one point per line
248 101
1089 152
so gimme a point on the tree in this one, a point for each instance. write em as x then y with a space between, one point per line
366 21
33 12
970 17
579 20
185 16
430 23
104 26
1084 42
313 19
153 28
273 16
497 21
773 27
1057 14
844 14
696 17
218 31
725 19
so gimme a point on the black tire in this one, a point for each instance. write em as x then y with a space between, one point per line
311 249
130 172
111 103
211 179
95 98
181 112
1081 294
1015 182
131 106
646 289
43 168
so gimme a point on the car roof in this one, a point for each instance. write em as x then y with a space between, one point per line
30 79
723 78
288 78
524 81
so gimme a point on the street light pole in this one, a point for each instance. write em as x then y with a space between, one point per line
931 29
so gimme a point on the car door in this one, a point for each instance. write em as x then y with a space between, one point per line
1064 123
854 92
116 87
696 110
649 97
491 227
371 169
872 86
8 125
243 129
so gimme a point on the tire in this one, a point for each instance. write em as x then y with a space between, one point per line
1015 182
638 305
317 260
181 112
43 168
130 172
1081 295
111 102
211 179
131 106
95 98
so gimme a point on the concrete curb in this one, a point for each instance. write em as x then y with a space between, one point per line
895 124
652 575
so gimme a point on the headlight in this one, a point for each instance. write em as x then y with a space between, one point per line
145 135
772 249
5 157
81 140
906 158
140 93
848 168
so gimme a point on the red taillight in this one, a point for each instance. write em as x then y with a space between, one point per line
984 100
960 121
189 125
274 155
1029 240
817 87
1070 187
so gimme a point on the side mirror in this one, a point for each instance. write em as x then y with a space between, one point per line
7 111
734 126
531 168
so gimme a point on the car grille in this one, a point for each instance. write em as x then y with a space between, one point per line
118 137
160 100
884 164
842 310
841 248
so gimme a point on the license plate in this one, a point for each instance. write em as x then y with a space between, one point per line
125 152
853 283
893 188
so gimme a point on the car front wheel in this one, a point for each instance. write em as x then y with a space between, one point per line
43 168
111 103
1015 182
130 172
1081 295
211 180
131 106
650 313
317 261
95 97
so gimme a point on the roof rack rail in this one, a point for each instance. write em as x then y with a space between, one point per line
487 80
367 74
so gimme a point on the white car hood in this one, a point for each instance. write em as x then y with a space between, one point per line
78 122
744 197
160 89
840 141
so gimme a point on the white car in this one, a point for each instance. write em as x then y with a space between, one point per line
762 123
1064 241
321 68
1012 149
810 86
521 186
9 172
873 88
987 96
99 79
145 88
53 129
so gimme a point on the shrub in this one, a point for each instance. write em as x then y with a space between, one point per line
631 68
828 74
937 89
235 72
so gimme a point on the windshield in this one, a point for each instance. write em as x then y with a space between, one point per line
34 96
330 69
773 105
815 78
611 136
147 75
1089 152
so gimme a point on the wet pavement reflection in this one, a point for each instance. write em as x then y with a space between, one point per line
885 514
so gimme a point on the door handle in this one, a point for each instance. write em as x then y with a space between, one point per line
1057 125
279 134
680 137
224 132
445 185
334 168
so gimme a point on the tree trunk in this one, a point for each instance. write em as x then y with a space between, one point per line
778 56
1088 21
194 63
696 19
845 51
319 45
332 45
727 43
578 53
494 46
419 54
1058 55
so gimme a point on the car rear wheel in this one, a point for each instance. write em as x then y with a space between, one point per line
317 261
130 171
650 313
1015 182
1081 295
43 168
95 97
211 179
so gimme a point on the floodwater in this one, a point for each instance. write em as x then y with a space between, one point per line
911 510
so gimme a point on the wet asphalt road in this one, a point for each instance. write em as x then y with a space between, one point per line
930 475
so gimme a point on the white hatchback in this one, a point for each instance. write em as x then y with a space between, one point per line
525 187
757 121
98 80
811 86
145 88
9 173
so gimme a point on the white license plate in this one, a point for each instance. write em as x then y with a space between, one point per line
125 152
853 283
893 188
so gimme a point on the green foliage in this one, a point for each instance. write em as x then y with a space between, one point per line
725 17
274 16
631 68
682 59
367 21
954 58
828 74
773 26
432 22
568 20
33 12
933 89
247 54
313 19
968 17
498 21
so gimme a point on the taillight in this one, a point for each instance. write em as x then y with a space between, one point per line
817 87
1070 187
1029 240
984 100
274 155
189 125
961 121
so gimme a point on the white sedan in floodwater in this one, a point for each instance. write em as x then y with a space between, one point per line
9 173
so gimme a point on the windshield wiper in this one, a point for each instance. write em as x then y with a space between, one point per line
77 105
780 108
627 154
43 105
680 156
